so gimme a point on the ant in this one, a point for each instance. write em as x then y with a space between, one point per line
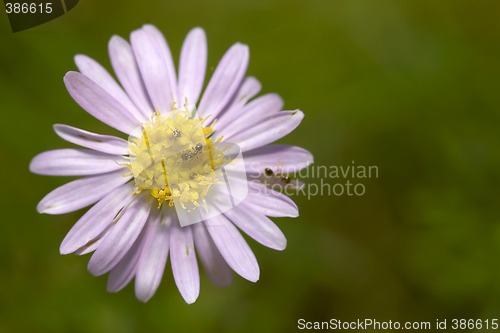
189 154
269 173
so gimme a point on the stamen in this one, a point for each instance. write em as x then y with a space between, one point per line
174 158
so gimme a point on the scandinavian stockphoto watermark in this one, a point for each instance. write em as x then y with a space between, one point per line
318 180
177 159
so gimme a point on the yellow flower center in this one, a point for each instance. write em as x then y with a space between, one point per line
173 157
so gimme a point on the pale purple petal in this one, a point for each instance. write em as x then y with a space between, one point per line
269 202
158 35
94 71
103 143
233 247
75 162
100 104
125 270
90 247
254 113
269 130
96 220
225 81
80 193
126 69
248 89
257 226
156 66
216 267
153 258
183 259
296 184
279 158
121 237
192 66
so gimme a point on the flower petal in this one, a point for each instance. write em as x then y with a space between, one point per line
80 193
248 89
153 258
233 247
156 66
192 66
92 246
103 143
225 81
124 271
269 130
216 267
184 265
268 202
75 162
121 237
126 69
96 220
100 104
94 71
257 226
254 112
279 158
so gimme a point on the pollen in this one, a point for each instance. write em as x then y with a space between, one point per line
173 157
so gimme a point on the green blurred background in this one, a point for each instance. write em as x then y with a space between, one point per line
410 86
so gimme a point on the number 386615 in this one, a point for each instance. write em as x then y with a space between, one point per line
28 8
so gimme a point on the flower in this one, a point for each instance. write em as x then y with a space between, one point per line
134 222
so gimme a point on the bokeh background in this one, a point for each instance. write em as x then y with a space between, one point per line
412 87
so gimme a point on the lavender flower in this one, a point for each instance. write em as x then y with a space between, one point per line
134 221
